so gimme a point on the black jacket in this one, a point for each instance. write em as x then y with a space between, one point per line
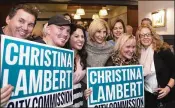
39 40
164 61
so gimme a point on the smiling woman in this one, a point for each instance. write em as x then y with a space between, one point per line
97 46
77 43
158 67
124 52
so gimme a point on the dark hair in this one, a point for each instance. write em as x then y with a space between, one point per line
25 7
71 19
82 53
116 21
146 19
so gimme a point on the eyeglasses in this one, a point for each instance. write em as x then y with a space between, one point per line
145 35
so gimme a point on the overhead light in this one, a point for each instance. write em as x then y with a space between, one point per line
77 16
61 0
80 11
95 16
103 12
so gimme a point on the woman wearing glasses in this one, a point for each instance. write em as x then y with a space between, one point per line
158 64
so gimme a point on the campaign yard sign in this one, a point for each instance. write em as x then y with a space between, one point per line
116 87
41 74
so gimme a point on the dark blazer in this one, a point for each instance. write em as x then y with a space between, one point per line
164 61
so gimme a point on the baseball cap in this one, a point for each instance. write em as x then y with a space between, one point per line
59 20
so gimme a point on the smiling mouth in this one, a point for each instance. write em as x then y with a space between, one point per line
130 54
22 33
100 39
118 33
63 40
80 44
146 41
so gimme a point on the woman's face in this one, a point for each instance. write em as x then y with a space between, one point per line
100 36
77 39
128 49
145 37
118 30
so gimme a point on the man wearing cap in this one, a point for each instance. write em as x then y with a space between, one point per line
56 32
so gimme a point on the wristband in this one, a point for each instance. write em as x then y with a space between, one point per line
169 87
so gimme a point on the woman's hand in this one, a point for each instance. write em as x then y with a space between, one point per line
78 76
87 93
5 94
163 92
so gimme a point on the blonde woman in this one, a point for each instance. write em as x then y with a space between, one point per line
124 52
97 47
158 64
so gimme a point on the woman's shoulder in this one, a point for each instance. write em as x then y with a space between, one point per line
165 51
166 54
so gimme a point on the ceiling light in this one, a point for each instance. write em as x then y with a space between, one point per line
103 12
95 16
61 0
77 16
80 11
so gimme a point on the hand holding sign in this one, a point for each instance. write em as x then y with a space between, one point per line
5 94
115 86
87 93
40 74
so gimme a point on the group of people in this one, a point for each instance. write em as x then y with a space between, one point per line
104 46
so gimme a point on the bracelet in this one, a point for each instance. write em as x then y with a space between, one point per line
169 87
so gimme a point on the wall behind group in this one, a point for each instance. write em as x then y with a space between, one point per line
145 8
119 12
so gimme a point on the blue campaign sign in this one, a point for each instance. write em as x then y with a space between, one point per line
116 86
41 74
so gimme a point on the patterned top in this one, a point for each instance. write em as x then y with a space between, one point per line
115 60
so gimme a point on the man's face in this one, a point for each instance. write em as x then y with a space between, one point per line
129 30
80 23
59 35
21 24
146 22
